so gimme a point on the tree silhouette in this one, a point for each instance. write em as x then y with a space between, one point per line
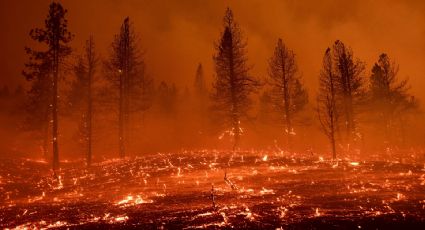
199 84
233 85
55 35
350 87
126 72
327 110
201 98
167 99
38 101
287 93
389 97
81 95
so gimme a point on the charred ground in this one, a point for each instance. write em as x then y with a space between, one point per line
173 190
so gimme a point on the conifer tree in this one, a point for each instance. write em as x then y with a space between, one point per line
389 98
288 95
233 85
201 98
126 72
327 110
56 36
349 83
81 95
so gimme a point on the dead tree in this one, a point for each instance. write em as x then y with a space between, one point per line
232 86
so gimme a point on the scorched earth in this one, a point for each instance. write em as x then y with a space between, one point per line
214 189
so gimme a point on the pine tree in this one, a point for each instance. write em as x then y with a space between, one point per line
127 74
39 100
233 85
389 97
288 95
201 98
56 36
81 95
199 84
327 110
350 87
167 99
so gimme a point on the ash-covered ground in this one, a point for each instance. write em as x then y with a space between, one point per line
257 190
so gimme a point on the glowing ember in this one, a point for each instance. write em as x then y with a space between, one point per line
131 200
118 219
317 213
265 191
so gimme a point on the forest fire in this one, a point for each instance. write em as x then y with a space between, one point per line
251 114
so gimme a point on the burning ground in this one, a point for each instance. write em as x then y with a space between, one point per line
266 190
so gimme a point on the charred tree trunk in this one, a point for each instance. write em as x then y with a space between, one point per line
235 113
121 121
45 129
91 65
55 100
285 88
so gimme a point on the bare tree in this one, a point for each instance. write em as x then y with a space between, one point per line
350 87
327 110
55 35
233 85
288 95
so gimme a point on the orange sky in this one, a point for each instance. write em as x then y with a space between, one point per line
179 34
